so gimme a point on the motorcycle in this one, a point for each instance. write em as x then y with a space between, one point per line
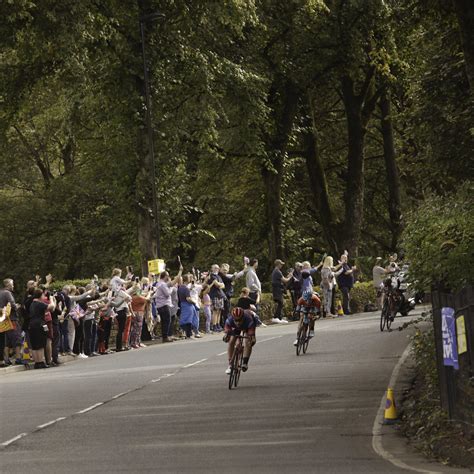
404 293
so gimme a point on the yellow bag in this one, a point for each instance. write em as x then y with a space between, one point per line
5 321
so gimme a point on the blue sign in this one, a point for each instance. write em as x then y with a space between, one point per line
448 328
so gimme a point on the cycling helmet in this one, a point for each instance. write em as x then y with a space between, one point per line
237 314
307 295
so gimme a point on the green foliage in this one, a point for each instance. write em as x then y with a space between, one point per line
60 284
73 136
439 238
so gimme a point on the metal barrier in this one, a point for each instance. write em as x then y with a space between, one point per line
456 386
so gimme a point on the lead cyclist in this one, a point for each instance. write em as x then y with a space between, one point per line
240 321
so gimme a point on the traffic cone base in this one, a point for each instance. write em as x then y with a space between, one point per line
390 413
340 312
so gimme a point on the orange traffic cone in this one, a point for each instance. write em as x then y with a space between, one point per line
340 312
390 414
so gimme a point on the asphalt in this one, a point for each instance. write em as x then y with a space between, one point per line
167 408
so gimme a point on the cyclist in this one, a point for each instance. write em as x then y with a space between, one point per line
309 303
241 320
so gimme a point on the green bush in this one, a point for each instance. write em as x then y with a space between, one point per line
439 240
59 284
361 294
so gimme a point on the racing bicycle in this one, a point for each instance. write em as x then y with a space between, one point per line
236 362
303 335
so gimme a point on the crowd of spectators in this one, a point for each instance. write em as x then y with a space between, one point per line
78 321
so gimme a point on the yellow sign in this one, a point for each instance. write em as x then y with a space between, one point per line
461 331
156 266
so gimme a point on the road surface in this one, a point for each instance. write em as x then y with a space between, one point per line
167 408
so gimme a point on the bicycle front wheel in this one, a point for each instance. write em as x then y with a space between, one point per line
240 359
306 340
384 316
234 369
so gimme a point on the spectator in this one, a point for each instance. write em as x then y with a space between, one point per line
228 280
120 301
63 319
188 309
93 304
38 328
245 302
207 303
174 309
278 281
138 305
11 339
295 283
378 274
252 281
328 282
48 317
116 282
163 302
393 265
216 287
346 282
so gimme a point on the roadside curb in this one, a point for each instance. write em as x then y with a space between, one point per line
392 445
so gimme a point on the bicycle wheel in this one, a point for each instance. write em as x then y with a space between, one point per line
383 316
388 317
234 368
299 339
306 339
240 358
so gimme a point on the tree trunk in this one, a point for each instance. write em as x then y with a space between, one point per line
318 185
283 102
465 15
272 181
354 192
393 177
145 218
146 224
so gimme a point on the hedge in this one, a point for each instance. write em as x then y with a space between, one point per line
361 295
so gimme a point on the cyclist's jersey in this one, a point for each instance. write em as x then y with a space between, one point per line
314 302
247 324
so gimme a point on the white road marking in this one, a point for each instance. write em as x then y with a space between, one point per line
16 438
120 395
377 428
194 363
40 427
270 339
90 408
222 353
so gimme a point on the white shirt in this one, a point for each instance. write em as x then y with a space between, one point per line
252 281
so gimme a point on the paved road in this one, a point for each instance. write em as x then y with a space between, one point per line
312 413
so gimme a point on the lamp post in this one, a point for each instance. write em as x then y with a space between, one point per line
151 148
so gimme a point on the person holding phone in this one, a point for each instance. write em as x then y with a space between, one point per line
252 281
346 282
278 282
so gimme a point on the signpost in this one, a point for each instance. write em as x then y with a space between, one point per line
448 328
156 266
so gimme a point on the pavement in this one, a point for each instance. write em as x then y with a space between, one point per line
167 408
